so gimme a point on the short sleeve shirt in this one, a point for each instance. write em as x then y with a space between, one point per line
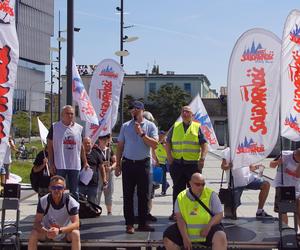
57 215
242 176
134 146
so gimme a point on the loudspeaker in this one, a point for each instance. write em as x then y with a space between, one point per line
12 190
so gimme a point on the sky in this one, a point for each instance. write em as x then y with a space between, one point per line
187 37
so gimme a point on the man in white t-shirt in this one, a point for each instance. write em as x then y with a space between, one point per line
289 163
56 217
245 178
65 149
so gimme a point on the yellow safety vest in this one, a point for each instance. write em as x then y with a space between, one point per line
186 144
161 154
194 215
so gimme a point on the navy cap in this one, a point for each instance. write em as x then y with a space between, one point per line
137 105
162 132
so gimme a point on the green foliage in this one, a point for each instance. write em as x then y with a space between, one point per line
20 122
166 103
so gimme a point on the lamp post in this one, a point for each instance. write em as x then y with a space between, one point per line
61 39
123 52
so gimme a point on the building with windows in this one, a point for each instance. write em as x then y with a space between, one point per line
35 26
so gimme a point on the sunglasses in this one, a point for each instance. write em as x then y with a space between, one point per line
57 188
199 184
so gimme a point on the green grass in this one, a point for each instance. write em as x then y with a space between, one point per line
22 168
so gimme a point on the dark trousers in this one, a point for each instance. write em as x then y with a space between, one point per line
164 184
181 174
135 174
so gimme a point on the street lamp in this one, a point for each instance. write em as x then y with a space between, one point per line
121 53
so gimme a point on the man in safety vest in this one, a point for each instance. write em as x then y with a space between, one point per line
194 224
186 150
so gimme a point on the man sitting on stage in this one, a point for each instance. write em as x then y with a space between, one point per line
56 217
244 178
289 164
195 222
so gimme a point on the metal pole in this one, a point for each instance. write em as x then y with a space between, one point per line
30 114
51 92
121 59
59 65
70 30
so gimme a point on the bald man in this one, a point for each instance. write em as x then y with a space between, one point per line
289 163
193 223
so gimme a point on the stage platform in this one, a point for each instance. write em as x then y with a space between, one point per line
108 232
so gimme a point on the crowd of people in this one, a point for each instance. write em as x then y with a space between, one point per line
197 210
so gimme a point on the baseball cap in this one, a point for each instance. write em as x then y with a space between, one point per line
137 105
162 132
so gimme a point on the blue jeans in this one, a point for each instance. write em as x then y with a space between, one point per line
72 178
164 184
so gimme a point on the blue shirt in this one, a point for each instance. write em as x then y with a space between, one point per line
134 146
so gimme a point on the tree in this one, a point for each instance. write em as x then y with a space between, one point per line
166 104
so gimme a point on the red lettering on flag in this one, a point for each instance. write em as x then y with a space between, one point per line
4 71
295 78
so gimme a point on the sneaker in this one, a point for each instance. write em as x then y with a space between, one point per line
150 217
163 193
145 228
263 214
129 229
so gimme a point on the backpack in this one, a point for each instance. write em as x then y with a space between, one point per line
87 208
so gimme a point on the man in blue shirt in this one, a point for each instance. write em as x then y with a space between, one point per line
135 141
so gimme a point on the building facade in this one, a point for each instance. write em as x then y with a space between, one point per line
35 26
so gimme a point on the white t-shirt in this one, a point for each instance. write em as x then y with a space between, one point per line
241 176
7 156
289 172
67 143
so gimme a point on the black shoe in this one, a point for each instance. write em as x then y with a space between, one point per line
145 228
263 215
150 217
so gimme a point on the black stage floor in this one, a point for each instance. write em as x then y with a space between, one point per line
109 231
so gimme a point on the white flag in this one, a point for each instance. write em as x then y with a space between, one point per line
43 131
9 56
201 116
86 109
290 73
253 97
105 89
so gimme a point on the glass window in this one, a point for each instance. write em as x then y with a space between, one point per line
152 87
187 88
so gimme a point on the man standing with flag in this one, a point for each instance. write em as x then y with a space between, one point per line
186 150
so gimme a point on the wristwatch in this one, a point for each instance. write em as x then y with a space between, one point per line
59 231
142 135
